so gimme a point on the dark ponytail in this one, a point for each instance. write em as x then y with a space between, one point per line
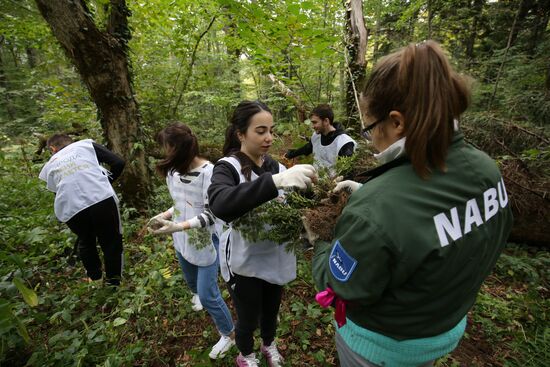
419 82
239 122
181 147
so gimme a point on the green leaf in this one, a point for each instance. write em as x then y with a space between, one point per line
22 330
28 294
17 260
6 316
119 321
8 320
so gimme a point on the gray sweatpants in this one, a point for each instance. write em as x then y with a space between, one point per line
348 358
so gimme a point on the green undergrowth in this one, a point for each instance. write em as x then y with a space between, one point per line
50 317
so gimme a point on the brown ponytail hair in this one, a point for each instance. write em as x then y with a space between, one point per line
239 122
181 147
419 82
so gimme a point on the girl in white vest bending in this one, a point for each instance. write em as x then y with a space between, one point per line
256 272
86 201
188 177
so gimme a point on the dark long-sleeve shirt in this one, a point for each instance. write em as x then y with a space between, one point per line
115 163
229 199
307 149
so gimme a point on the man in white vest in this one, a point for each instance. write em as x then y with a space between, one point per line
328 142
86 201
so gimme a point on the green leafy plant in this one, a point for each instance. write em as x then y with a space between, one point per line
199 237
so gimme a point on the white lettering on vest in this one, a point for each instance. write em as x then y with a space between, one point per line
490 203
443 225
502 195
451 228
472 216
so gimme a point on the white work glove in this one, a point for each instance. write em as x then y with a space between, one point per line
300 176
168 227
348 185
154 223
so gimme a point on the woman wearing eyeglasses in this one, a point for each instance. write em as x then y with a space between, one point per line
419 236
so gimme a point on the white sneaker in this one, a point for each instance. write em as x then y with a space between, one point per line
272 355
221 347
196 302
247 361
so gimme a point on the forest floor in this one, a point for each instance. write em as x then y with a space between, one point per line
50 317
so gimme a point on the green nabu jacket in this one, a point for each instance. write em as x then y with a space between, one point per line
410 255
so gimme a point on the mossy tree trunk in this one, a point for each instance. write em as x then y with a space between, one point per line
356 48
101 58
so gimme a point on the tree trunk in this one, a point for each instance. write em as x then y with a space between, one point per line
233 52
102 61
521 15
31 57
541 11
430 18
10 108
356 47
476 10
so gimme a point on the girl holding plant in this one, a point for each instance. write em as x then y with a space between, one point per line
245 179
188 177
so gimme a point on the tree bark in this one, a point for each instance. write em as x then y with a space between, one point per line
102 61
541 10
31 57
476 8
233 51
10 108
356 47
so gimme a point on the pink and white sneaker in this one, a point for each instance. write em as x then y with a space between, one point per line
272 355
247 361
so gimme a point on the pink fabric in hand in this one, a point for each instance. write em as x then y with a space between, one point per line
328 297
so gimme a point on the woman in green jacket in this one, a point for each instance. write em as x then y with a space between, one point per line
419 236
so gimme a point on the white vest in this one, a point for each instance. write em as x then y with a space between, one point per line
189 200
76 177
265 260
326 155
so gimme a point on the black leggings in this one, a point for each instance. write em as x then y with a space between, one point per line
255 300
100 221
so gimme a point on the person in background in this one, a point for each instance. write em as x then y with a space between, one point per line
328 142
188 177
416 240
243 180
86 201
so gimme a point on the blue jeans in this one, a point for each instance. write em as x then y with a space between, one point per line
203 280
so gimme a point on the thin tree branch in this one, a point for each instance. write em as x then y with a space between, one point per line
191 64
515 126
504 59
355 94
542 194
300 81
287 92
